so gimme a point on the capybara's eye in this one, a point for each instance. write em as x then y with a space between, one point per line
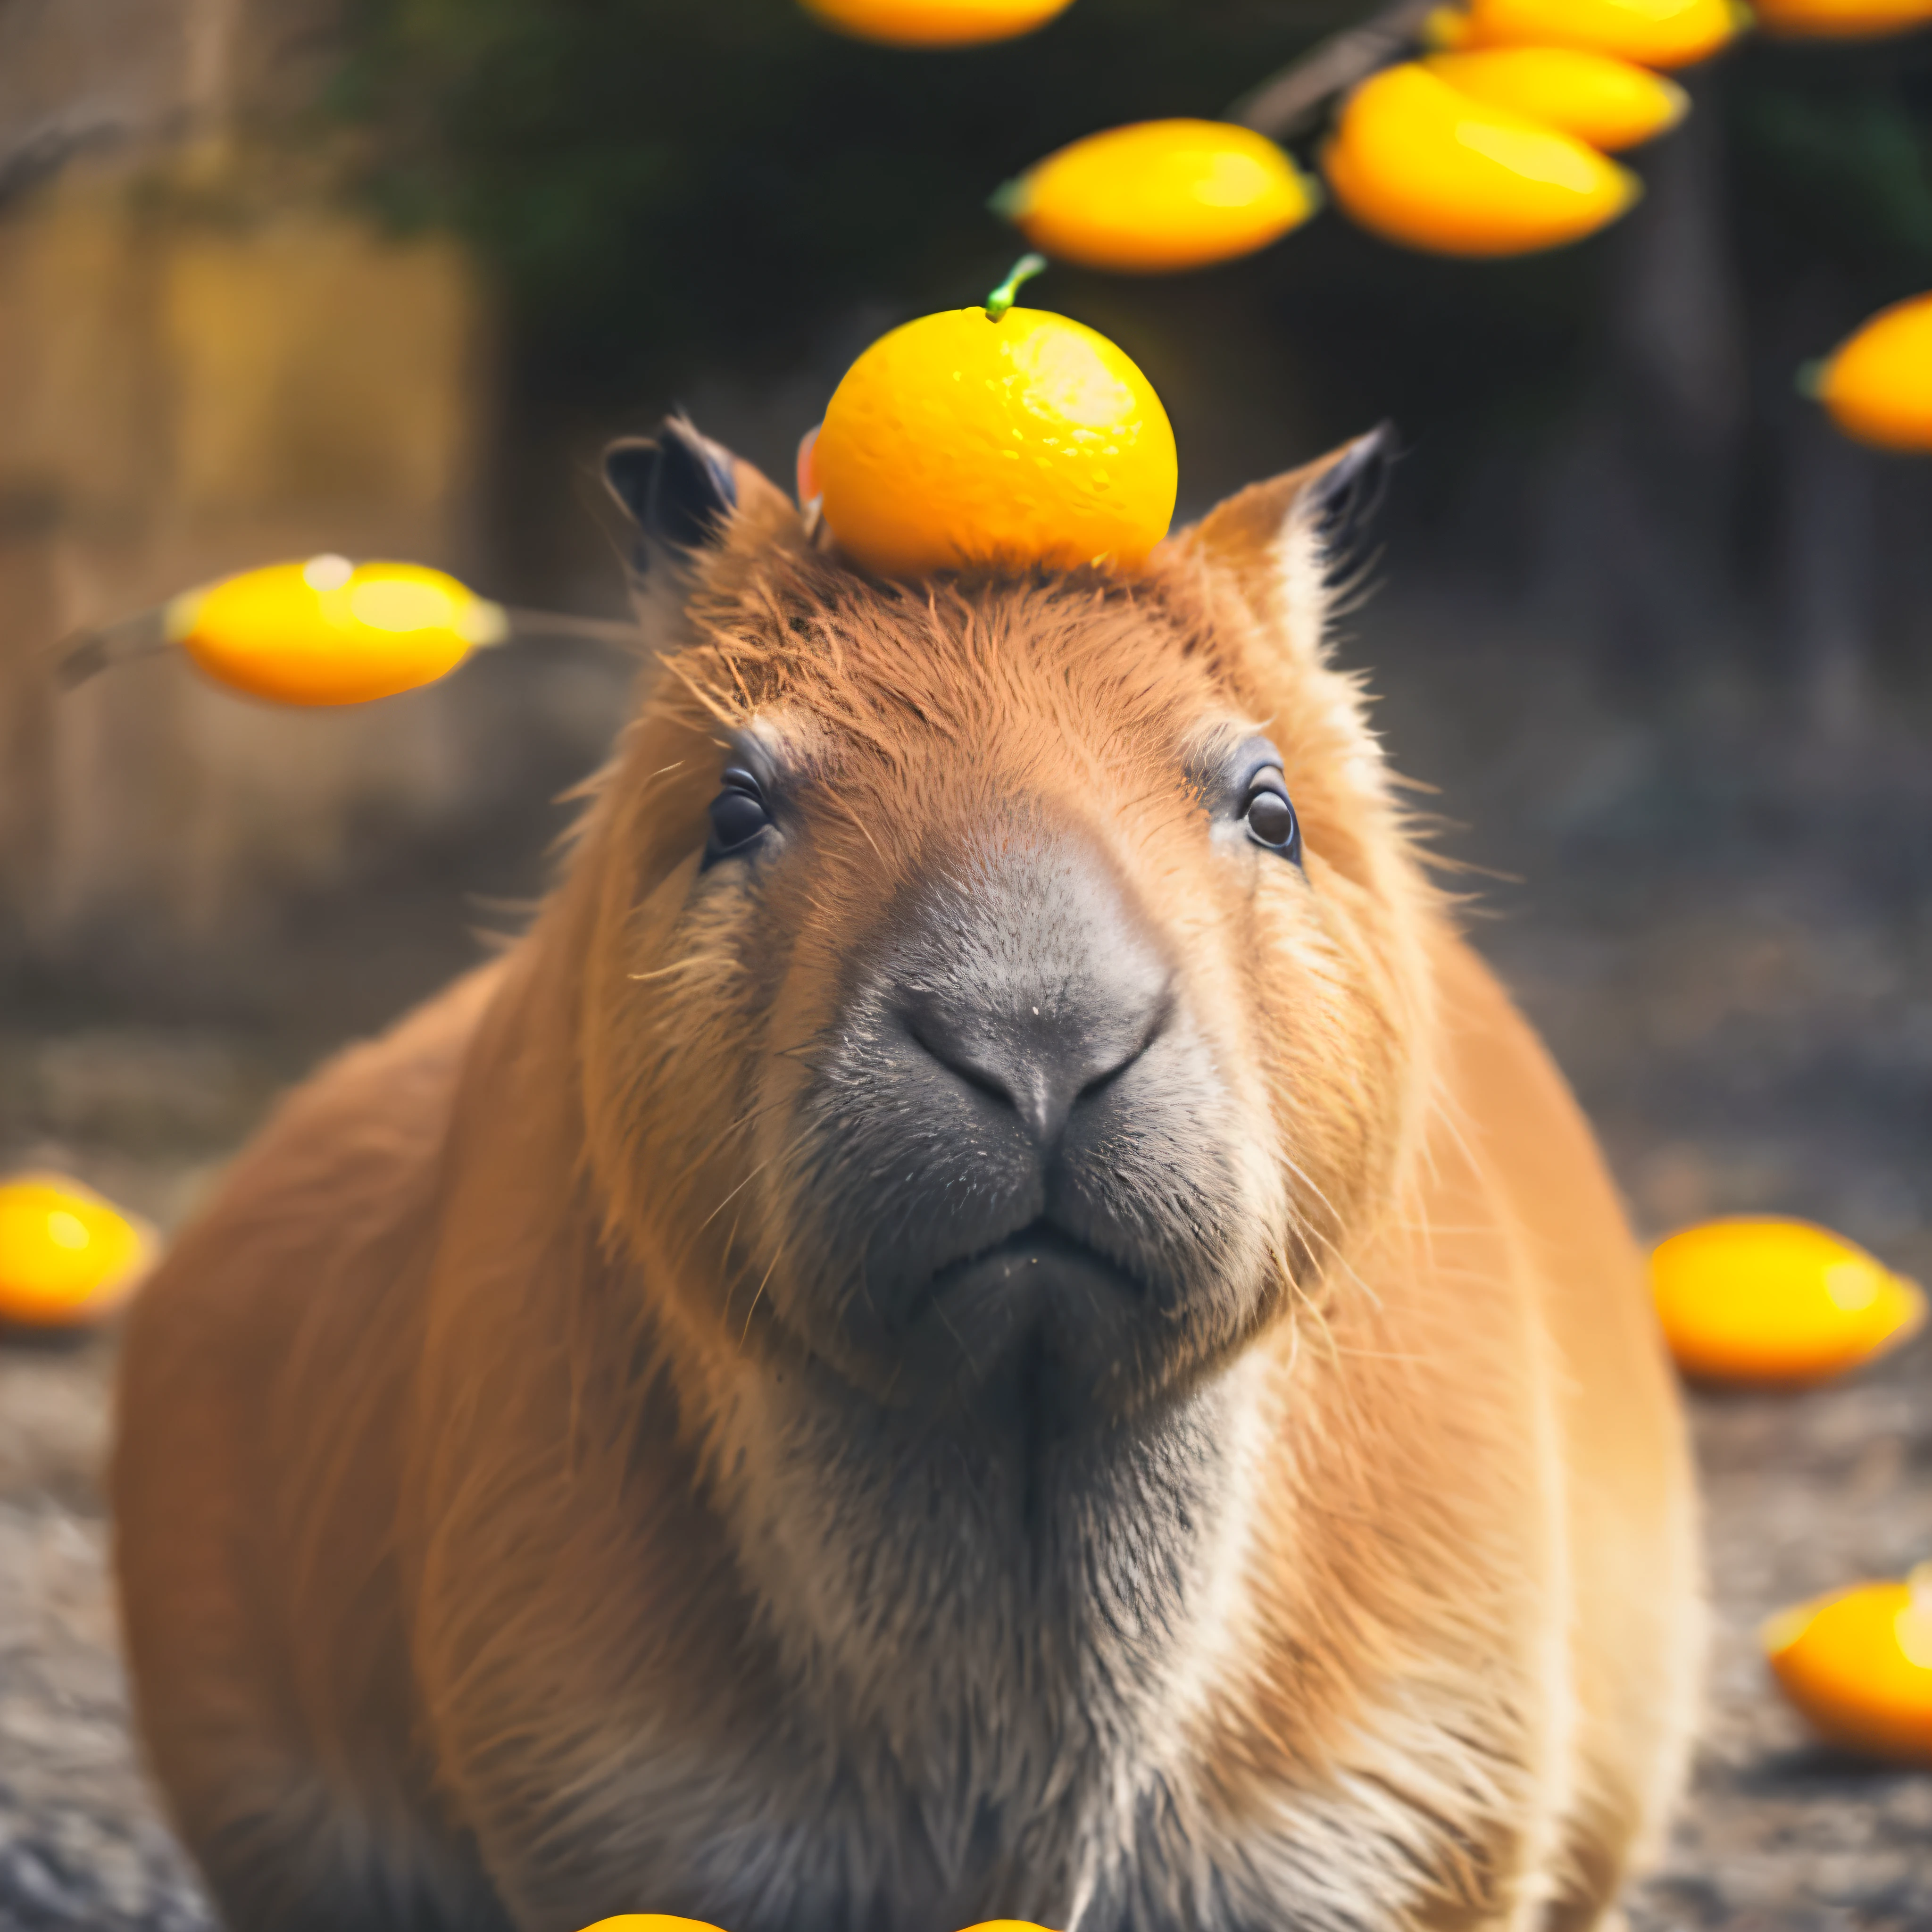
1271 819
738 814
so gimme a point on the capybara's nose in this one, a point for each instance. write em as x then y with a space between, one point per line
1039 1033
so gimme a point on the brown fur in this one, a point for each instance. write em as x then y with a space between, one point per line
494 1551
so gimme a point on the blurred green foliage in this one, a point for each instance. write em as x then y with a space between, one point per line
652 175
1833 162
666 188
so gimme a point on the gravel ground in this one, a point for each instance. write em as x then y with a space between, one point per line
1726 931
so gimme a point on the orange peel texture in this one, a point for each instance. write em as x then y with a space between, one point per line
959 440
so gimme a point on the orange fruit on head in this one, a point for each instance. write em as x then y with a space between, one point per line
1878 386
962 439
1160 196
1776 1301
1610 103
935 23
1421 162
328 632
1858 1664
67 1258
1654 33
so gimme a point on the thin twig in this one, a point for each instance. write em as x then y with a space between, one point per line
1285 104
531 624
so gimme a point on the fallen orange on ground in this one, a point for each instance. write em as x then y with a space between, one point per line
658 1922
1775 1301
1858 1664
68 1257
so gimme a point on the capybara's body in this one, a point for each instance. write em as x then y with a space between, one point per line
990 1316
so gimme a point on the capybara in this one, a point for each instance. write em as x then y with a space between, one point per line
989 1315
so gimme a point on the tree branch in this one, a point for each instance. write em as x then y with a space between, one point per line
1285 104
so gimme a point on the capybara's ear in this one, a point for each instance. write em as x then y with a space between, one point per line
1289 542
1341 502
685 492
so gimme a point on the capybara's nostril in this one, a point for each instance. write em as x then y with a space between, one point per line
1042 1050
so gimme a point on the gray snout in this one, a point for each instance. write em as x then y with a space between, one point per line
1022 1133
1040 1038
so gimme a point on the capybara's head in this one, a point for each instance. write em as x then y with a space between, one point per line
1003 995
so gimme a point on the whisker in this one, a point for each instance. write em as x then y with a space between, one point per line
697 959
745 1335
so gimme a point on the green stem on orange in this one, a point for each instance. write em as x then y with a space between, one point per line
1004 297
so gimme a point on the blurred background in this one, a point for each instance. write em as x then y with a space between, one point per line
380 276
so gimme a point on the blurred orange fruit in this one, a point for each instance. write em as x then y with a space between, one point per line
1846 19
1654 33
1610 103
1858 1664
962 439
1159 196
658 1922
1775 1301
328 632
1445 28
1878 384
935 23
1423 163
67 1258
650 1922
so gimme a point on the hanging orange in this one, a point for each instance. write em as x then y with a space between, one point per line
328 632
1653 33
1878 384
1610 103
1423 163
1160 195
1842 19
935 23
